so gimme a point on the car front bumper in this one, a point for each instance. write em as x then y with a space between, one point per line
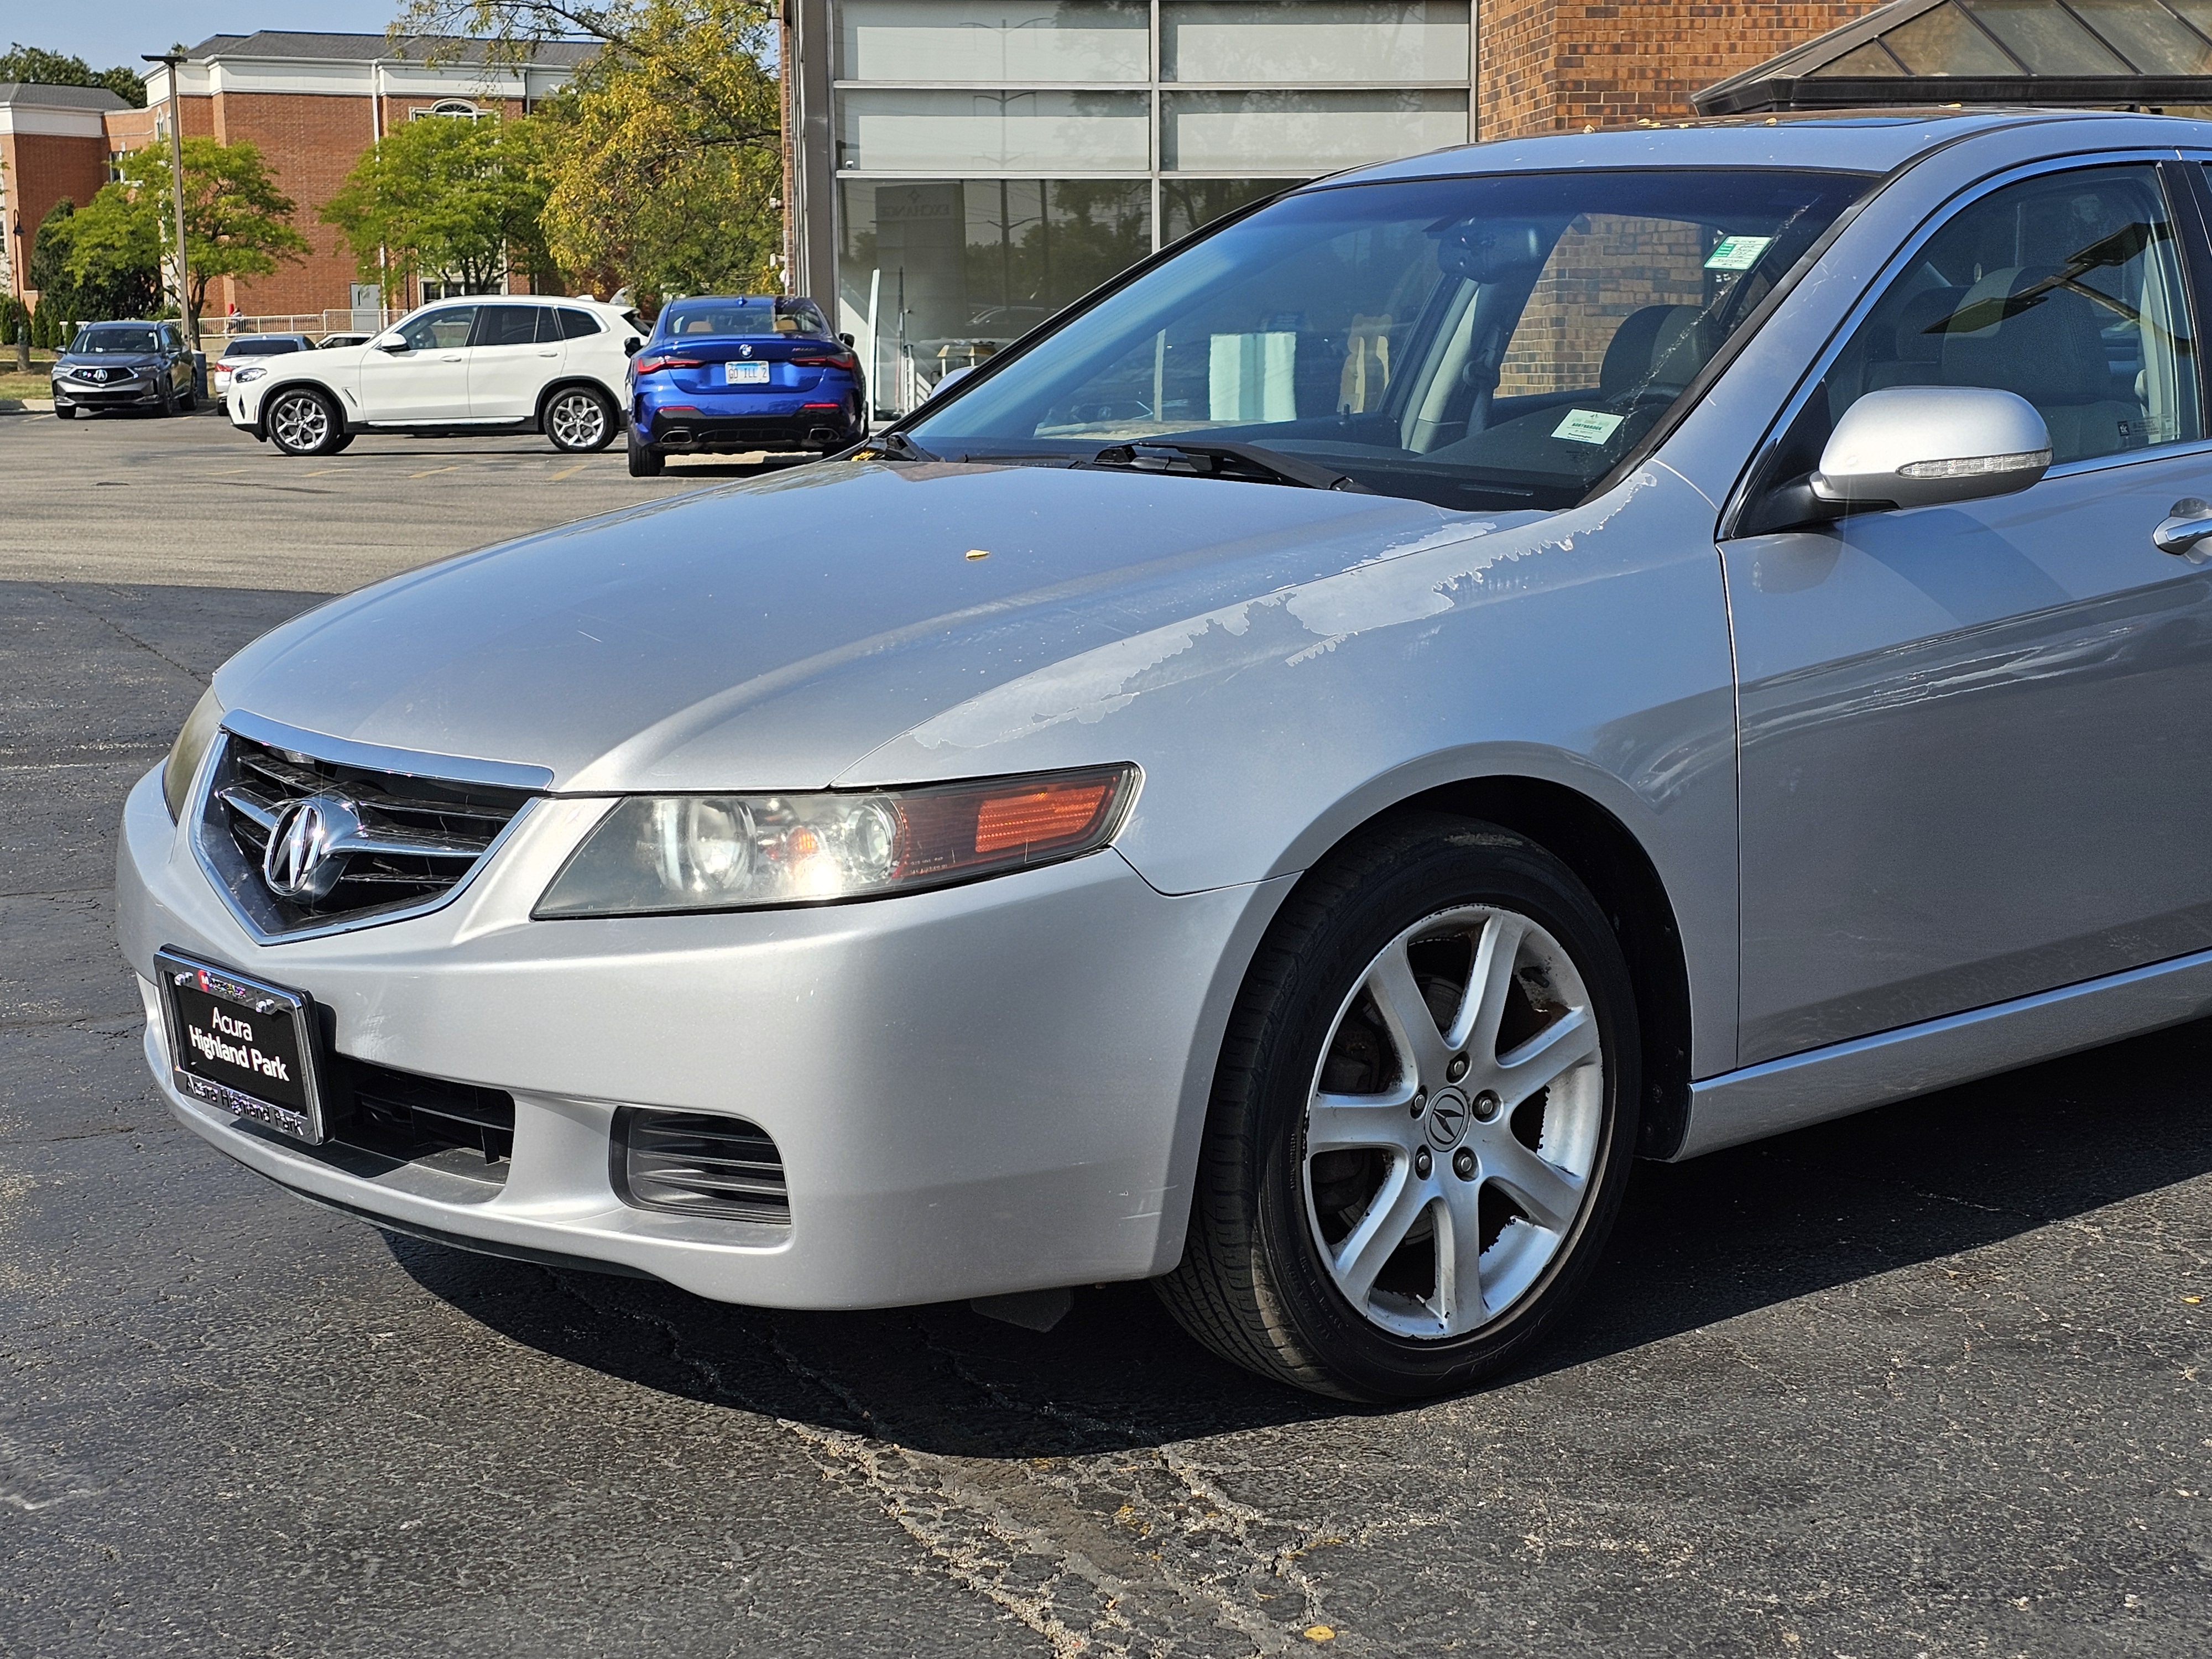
976 1090
136 394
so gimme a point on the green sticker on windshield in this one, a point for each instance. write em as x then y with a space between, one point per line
1737 252
1586 426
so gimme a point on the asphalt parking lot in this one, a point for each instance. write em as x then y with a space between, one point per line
1930 1381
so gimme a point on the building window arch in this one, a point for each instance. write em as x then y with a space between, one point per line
456 108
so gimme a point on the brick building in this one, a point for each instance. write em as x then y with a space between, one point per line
312 103
53 143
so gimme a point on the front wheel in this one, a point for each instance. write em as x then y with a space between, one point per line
1423 1120
579 422
303 424
69 414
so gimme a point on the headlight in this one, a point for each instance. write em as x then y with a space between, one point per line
244 375
189 748
655 854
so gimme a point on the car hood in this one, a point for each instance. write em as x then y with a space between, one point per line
767 636
108 359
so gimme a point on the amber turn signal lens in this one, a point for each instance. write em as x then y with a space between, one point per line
1039 819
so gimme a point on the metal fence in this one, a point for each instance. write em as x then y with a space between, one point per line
340 321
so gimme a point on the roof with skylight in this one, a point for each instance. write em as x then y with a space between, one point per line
2090 53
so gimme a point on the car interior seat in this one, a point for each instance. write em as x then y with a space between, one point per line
2052 354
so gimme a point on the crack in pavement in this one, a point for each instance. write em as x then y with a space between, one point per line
978 1520
122 632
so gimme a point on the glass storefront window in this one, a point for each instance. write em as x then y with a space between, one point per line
943 131
937 275
1188 204
1290 40
1304 131
994 40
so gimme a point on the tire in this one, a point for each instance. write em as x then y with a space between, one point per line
580 421
69 414
644 461
303 423
188 400
1289 1268
343 441
167 404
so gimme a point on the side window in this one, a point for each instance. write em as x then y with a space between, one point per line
575 325
2064 289
446 328
549 325
506 325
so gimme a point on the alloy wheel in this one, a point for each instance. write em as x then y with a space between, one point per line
578 421
299 424
1454 1122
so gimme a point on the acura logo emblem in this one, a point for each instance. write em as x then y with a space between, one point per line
303 860
1448 1115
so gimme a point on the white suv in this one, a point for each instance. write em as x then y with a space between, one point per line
490 363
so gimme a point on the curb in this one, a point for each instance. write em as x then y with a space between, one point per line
26 405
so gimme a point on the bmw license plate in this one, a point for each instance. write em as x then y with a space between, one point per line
744 373
241 1045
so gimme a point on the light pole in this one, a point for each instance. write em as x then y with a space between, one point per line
177 190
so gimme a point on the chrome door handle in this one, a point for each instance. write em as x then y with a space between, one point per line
2189 524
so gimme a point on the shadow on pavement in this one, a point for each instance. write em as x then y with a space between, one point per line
1698 1243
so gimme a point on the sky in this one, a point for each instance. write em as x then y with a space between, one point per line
117 31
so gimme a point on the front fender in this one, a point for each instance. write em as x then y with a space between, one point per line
1589 649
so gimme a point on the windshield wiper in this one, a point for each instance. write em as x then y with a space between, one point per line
892 446
1207 458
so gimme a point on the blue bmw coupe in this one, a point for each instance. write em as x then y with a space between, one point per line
726 373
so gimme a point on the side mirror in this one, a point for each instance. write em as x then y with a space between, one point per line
631 346
1922 446
844 339
397 343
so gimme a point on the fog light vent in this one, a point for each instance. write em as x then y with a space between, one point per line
699 1163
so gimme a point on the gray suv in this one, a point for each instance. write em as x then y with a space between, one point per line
130 365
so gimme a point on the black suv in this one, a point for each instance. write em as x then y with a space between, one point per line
123 365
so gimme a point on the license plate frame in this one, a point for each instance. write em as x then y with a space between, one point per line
272 1030
744 375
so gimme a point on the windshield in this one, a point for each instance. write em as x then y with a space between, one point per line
755 317
1479 343
116 337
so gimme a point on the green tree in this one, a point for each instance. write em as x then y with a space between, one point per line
237 223
447 196
665 151
42 68
125 284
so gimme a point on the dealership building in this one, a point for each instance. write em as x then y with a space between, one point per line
961 169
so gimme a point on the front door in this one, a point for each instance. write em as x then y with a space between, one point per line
1973 760
512 356
429 381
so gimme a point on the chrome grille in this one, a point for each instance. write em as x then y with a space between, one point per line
394 844
699 1163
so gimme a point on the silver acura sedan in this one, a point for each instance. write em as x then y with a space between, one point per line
1286 783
